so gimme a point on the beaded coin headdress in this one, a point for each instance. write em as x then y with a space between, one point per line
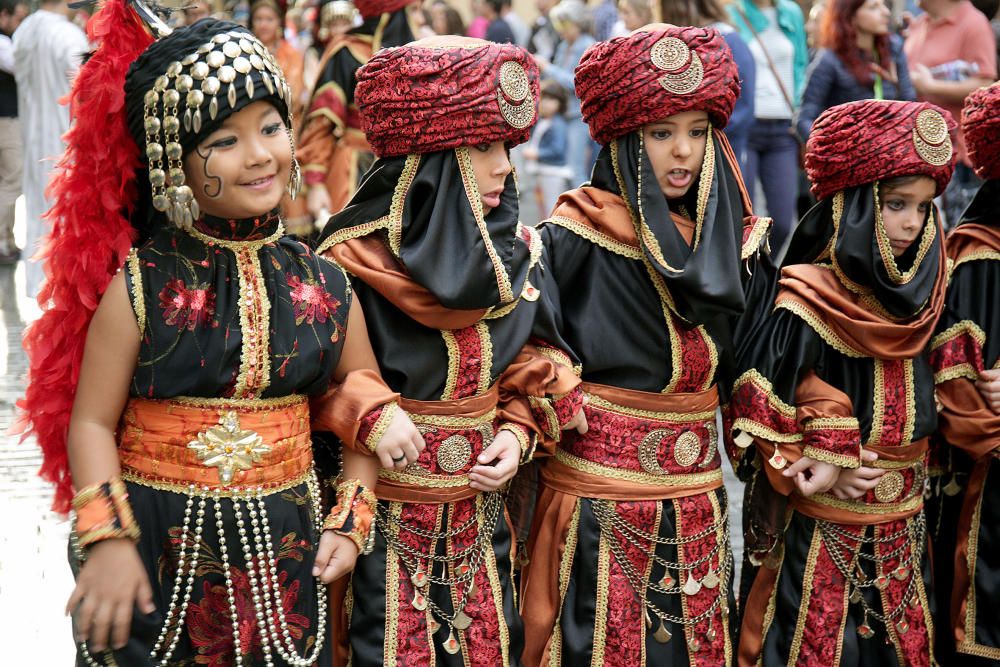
215 69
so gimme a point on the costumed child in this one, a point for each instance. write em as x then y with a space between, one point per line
177 390
459 317
965 356
629 559
838 394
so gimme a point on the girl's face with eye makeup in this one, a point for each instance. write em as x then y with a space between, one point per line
241 169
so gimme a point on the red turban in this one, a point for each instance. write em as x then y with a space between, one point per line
444 92
981 125
863 142
657 71
370 8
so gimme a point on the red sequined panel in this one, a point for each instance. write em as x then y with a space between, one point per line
311 301
834 440
821 633
567 406
707 638
368 423
412 639
470 361
698 358
962 349
481 641
624 635
894 383
645 445
910 632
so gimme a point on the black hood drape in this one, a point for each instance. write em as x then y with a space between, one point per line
700 276
429 208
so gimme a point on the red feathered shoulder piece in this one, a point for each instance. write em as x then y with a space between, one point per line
94 194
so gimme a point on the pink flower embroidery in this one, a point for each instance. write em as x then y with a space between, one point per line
311 301
187 308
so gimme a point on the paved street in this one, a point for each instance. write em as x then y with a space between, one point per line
34 576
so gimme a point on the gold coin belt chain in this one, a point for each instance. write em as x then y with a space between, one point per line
609 521
469 562
837 540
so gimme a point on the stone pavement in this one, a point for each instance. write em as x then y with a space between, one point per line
35 580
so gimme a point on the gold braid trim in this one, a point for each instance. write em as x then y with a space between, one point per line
969 644
243 404
472 193
671 480
707 176
453 422
486 358
763 432
544 406
754 376
424 479
885 248
257 490
381 425
954 331
840 460
911 504
596 237
565 569
454 359
807 584
760 230
138 298
979 255
954 372
596 402
820 327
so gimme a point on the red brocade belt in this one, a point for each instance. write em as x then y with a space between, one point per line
898 495
639 446
456 433
224 445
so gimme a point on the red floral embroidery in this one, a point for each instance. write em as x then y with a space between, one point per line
210 624
311 301
963 349
470 362
187 308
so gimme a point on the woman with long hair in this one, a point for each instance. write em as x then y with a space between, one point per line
858 60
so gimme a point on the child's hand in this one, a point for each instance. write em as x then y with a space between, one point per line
856 482
111 582
989 386
401 443
497 463
812 476
335 557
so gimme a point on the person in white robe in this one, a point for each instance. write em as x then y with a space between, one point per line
48 50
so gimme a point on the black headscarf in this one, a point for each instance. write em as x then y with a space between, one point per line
431 227
901 285
701 277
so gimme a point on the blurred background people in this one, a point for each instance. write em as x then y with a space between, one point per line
711 13
545 152
48 50
776 34
859 60
632 15
445 19
12 12
543 39
571 20
952 51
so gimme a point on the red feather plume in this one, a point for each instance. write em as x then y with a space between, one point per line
94 193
